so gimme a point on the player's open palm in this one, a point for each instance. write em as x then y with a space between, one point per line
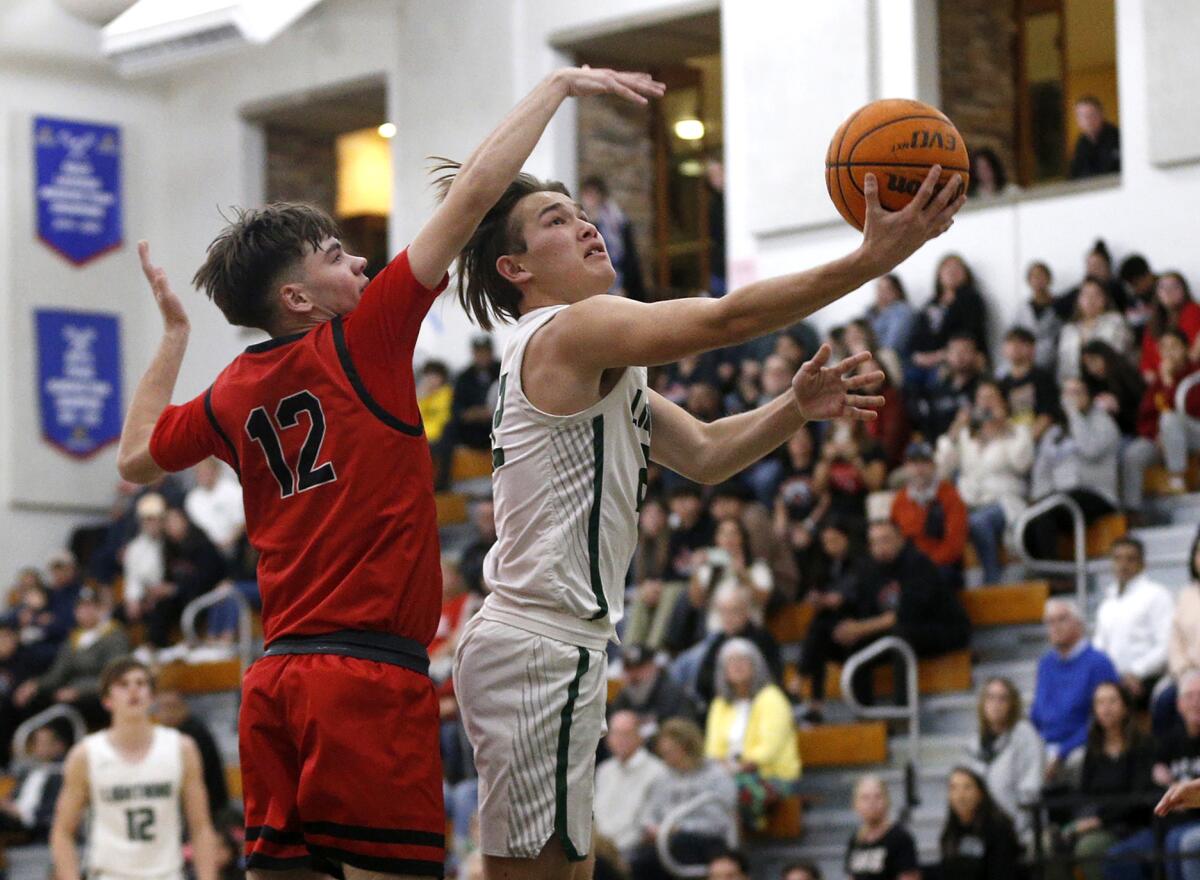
635 87
891 237
169 304
829 392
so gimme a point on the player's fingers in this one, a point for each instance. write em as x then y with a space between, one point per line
860 415
818 360
862 381
928 187
144 255
948 194
948 212
620 89
871 193
864 401
850 363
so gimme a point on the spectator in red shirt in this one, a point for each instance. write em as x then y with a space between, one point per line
930 513
1173 308
458 604
1165 434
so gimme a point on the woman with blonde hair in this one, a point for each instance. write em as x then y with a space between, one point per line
750 730
880 849
1008 752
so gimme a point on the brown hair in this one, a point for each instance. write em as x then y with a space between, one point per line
246 261
117 667
1015 709
687 735
486 295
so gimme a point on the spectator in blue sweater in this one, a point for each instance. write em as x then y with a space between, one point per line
1067 676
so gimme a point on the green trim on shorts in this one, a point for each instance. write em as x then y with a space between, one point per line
564 755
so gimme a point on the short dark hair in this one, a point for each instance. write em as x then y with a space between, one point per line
735 856
596 182
117 667
808 867
250 255
438 367
1038 264
486 295
963 336
1130 541
1022 334
1092 100
1133 267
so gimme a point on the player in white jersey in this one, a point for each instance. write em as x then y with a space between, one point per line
572 441
134 776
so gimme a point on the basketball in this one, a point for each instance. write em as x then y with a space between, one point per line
897 140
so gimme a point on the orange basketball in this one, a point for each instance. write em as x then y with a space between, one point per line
898 141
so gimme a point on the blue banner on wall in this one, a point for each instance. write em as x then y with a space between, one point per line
79 379
78 173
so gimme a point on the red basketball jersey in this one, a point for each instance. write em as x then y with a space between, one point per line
323 430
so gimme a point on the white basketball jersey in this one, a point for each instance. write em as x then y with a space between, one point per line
136 827
567 491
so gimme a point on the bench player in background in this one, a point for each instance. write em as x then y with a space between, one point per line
140 780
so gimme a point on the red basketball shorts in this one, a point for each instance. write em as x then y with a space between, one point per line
341 763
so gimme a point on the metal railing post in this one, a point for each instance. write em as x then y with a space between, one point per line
1078 567
910 711
41 719
245 620
662 841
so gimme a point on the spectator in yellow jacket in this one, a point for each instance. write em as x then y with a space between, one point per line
750 729
435 399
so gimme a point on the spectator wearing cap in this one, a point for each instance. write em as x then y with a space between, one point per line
624 781
215 505
145 556
1098 148
750 730
1030 390
75 676
64 584
931 514
472 411
1076 456
650 693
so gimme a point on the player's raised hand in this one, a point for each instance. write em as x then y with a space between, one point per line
635 87
890 237
828 392
1180 796
169 304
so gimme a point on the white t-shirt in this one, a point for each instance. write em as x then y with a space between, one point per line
144 566
218 511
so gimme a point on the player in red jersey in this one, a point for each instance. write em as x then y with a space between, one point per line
338 728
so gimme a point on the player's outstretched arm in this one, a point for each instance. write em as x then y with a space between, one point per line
714 452
153 393
495 163
195 810
72 801
604 332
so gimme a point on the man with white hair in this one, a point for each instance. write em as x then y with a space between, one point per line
623 782
1067 676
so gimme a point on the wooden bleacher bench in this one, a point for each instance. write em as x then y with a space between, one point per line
790 623
843 745
1157 479
451 508
201 678
7 784
1006 604
785 821
470 464
233 782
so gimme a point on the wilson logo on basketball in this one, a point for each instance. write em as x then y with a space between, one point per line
896 183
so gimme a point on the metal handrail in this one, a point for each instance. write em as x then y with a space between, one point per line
662 841
1181 393
41 719
1076 566
245 620
910 711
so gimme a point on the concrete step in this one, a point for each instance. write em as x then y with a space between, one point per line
1008 643
1176 509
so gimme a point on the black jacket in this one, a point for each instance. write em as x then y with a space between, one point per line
987 849
1101 156
929 615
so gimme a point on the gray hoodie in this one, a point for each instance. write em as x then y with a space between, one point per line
1083 456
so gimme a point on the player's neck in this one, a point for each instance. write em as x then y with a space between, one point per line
131 732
